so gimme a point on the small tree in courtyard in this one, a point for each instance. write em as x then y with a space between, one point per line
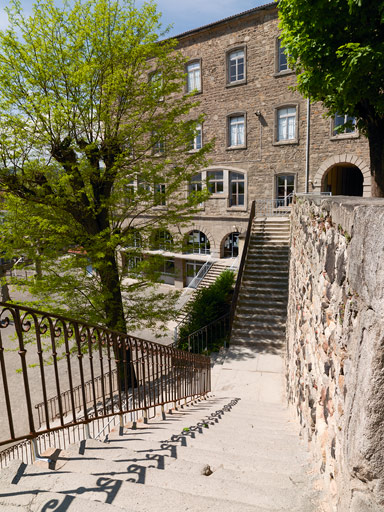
94 139
337 50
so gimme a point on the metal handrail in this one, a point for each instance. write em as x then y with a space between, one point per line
201 274
241 267
149 374
202 339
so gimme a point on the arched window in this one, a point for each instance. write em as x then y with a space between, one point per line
231 245
162 240
197 243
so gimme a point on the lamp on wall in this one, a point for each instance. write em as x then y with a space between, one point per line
258 113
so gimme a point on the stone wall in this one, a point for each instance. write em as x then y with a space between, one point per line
335 344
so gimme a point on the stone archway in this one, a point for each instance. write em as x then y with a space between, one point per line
339 166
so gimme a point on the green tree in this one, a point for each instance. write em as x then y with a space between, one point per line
94 125
337 50
208 305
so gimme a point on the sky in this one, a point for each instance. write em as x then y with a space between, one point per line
184 15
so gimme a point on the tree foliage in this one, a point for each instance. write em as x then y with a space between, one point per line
208 305
91 103
337 50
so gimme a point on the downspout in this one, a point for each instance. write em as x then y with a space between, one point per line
307 146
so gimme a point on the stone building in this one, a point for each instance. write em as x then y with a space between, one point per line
269 140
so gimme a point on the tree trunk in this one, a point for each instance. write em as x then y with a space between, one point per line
375 135
114 311
4 291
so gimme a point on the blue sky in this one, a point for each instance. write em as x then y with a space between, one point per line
183 14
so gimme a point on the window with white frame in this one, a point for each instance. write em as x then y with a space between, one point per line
194 76
285 186
197 142
286 124
158 147
237 189
342 119
215 182
156 81
159 194
130 191
236 131
195 185
282 61
236 66
162 240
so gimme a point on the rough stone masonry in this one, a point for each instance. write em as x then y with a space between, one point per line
335 343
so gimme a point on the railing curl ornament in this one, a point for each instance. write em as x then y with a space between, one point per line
5 321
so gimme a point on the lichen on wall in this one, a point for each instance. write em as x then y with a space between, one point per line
335 344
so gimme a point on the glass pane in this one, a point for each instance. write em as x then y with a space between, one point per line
240 70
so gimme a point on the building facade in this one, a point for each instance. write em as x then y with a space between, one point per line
269 141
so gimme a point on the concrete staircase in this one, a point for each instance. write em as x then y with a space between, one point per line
226 454
237 451
212 274
262 304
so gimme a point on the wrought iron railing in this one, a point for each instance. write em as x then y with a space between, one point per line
42 354
207 338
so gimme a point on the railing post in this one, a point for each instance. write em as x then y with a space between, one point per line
35 453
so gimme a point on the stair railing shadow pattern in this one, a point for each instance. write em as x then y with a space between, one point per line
106 485
41 354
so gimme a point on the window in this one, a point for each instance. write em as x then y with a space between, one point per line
197 139
285 185
340 120
197 243
237 189
215 182
130 191
286 124
158 147
231 245
168 268
282 63
236 131
156 81
195 185
193 77
162 240
133 262
159 194
143 186
236 66
133 238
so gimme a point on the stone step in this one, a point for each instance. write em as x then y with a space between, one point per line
262 291
120 492
249 304
265 335
263 280
272 272
260 323
12 499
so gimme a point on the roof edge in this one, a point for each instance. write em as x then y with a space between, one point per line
270 5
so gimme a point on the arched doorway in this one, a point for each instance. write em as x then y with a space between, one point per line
231 245
343 179
196 242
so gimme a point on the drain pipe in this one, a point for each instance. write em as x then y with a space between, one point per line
307 146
